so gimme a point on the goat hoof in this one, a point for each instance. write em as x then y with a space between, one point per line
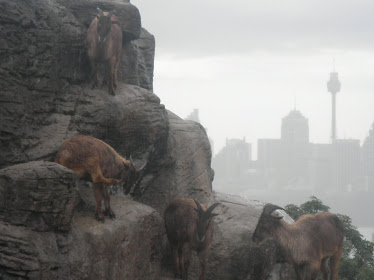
112 216
100 218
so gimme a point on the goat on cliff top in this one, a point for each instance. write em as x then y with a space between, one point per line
91 158
104 43
311 244
188 226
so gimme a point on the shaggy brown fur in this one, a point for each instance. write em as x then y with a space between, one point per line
104 43
308 244
188 226
91 158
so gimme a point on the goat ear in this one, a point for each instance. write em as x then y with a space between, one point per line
101 13
276 215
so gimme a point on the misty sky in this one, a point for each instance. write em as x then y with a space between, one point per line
246 64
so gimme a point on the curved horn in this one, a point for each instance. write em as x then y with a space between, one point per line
208 212
101 13
132 164
270 208
142 167
199 208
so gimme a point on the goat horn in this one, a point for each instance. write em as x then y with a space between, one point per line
270 208
208 212
132 164
142 167
199 208
101 13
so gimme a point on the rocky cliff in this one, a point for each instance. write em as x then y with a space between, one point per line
47 226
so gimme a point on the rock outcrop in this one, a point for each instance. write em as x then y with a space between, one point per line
128 247
47 225
45 98
185 169
39 195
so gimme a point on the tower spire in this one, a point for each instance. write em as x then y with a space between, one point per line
333 86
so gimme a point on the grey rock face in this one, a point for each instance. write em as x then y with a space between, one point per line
45 99
44 71
125 248
39 195
185 169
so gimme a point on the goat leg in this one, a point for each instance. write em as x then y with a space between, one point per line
118 58
202 259
110 69
94 74
108 210
177 272
185 262
334 264
105 79
98 192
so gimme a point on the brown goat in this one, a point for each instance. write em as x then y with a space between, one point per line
104 42
91 158
188 226
308 244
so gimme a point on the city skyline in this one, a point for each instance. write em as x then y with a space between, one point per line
243 64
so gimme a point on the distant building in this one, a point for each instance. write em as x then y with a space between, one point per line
194 116
295 128
232 163
292 162
284 162
367 156
345 164
320 167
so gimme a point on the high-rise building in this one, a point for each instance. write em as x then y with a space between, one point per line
295 128
367 156
284 162
232 163
345 164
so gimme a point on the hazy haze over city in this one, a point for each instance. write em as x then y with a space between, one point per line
246 64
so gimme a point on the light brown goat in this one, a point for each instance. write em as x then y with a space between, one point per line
308 244
91 158
188 226
104 43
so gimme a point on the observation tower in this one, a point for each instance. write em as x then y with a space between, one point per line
333 86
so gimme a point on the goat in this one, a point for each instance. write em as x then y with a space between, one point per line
308 244
188 226
104 42
91 158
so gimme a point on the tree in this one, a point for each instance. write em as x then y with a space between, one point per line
358 254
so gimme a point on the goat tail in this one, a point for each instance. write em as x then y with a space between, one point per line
106 181
338 223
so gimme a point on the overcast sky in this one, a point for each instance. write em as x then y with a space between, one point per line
245 64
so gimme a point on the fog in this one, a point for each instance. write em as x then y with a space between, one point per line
246 64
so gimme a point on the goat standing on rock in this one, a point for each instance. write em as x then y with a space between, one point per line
188 226
104 42
92 158
309 244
